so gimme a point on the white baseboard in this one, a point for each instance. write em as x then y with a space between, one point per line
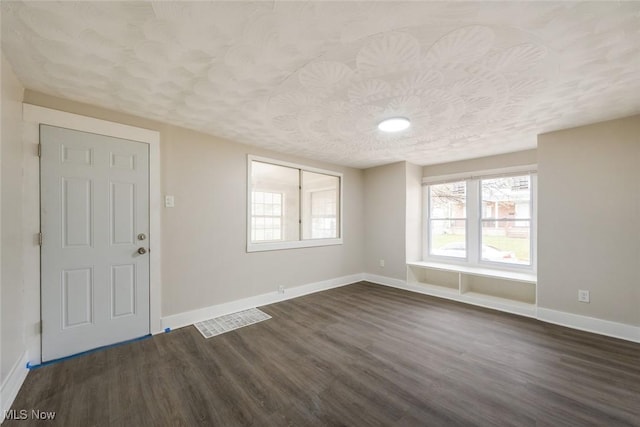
590 324
11 385
388 281
527 310
404 285
573 321
190 317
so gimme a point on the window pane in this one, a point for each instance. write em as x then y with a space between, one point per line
447 226
257 208
448 237
506 220
288 204
506 241
507 197
320 205
448 200
275 200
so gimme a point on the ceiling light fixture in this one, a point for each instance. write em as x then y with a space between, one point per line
394 124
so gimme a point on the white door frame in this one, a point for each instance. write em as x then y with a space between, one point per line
33 116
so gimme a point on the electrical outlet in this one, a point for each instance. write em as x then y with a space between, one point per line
583 296
382 263
169 202
281 289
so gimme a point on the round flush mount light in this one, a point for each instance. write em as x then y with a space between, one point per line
394 124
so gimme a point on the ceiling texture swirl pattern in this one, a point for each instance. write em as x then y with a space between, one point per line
315 78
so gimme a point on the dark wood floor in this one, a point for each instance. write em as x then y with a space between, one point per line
361 355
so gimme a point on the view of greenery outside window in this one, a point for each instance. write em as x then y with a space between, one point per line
506 219
482 220
447 219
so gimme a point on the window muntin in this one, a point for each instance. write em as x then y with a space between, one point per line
266 216
506 219
447 219
292 206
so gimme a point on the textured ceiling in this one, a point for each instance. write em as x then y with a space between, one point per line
314 78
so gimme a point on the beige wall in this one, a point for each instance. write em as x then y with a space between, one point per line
12 339
413 228
385 193
520 158
204 259
589 220
204 236
205 262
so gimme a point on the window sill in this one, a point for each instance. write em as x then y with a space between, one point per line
276 246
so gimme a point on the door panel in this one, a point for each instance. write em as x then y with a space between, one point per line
123 288
76 155
77 297
94 204
122 209
76 212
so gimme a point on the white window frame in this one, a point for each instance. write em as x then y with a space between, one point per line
307 243
474 218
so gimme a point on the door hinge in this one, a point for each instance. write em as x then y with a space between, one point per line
39 150
40 239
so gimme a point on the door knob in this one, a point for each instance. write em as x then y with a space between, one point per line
142 251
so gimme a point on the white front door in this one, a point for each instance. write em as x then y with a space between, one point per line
94 198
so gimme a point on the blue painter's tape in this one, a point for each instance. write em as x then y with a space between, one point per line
73 356
167 330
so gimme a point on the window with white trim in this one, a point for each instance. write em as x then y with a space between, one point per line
482 221
292 206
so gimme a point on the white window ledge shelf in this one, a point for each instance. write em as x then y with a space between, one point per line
478 271
512 292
